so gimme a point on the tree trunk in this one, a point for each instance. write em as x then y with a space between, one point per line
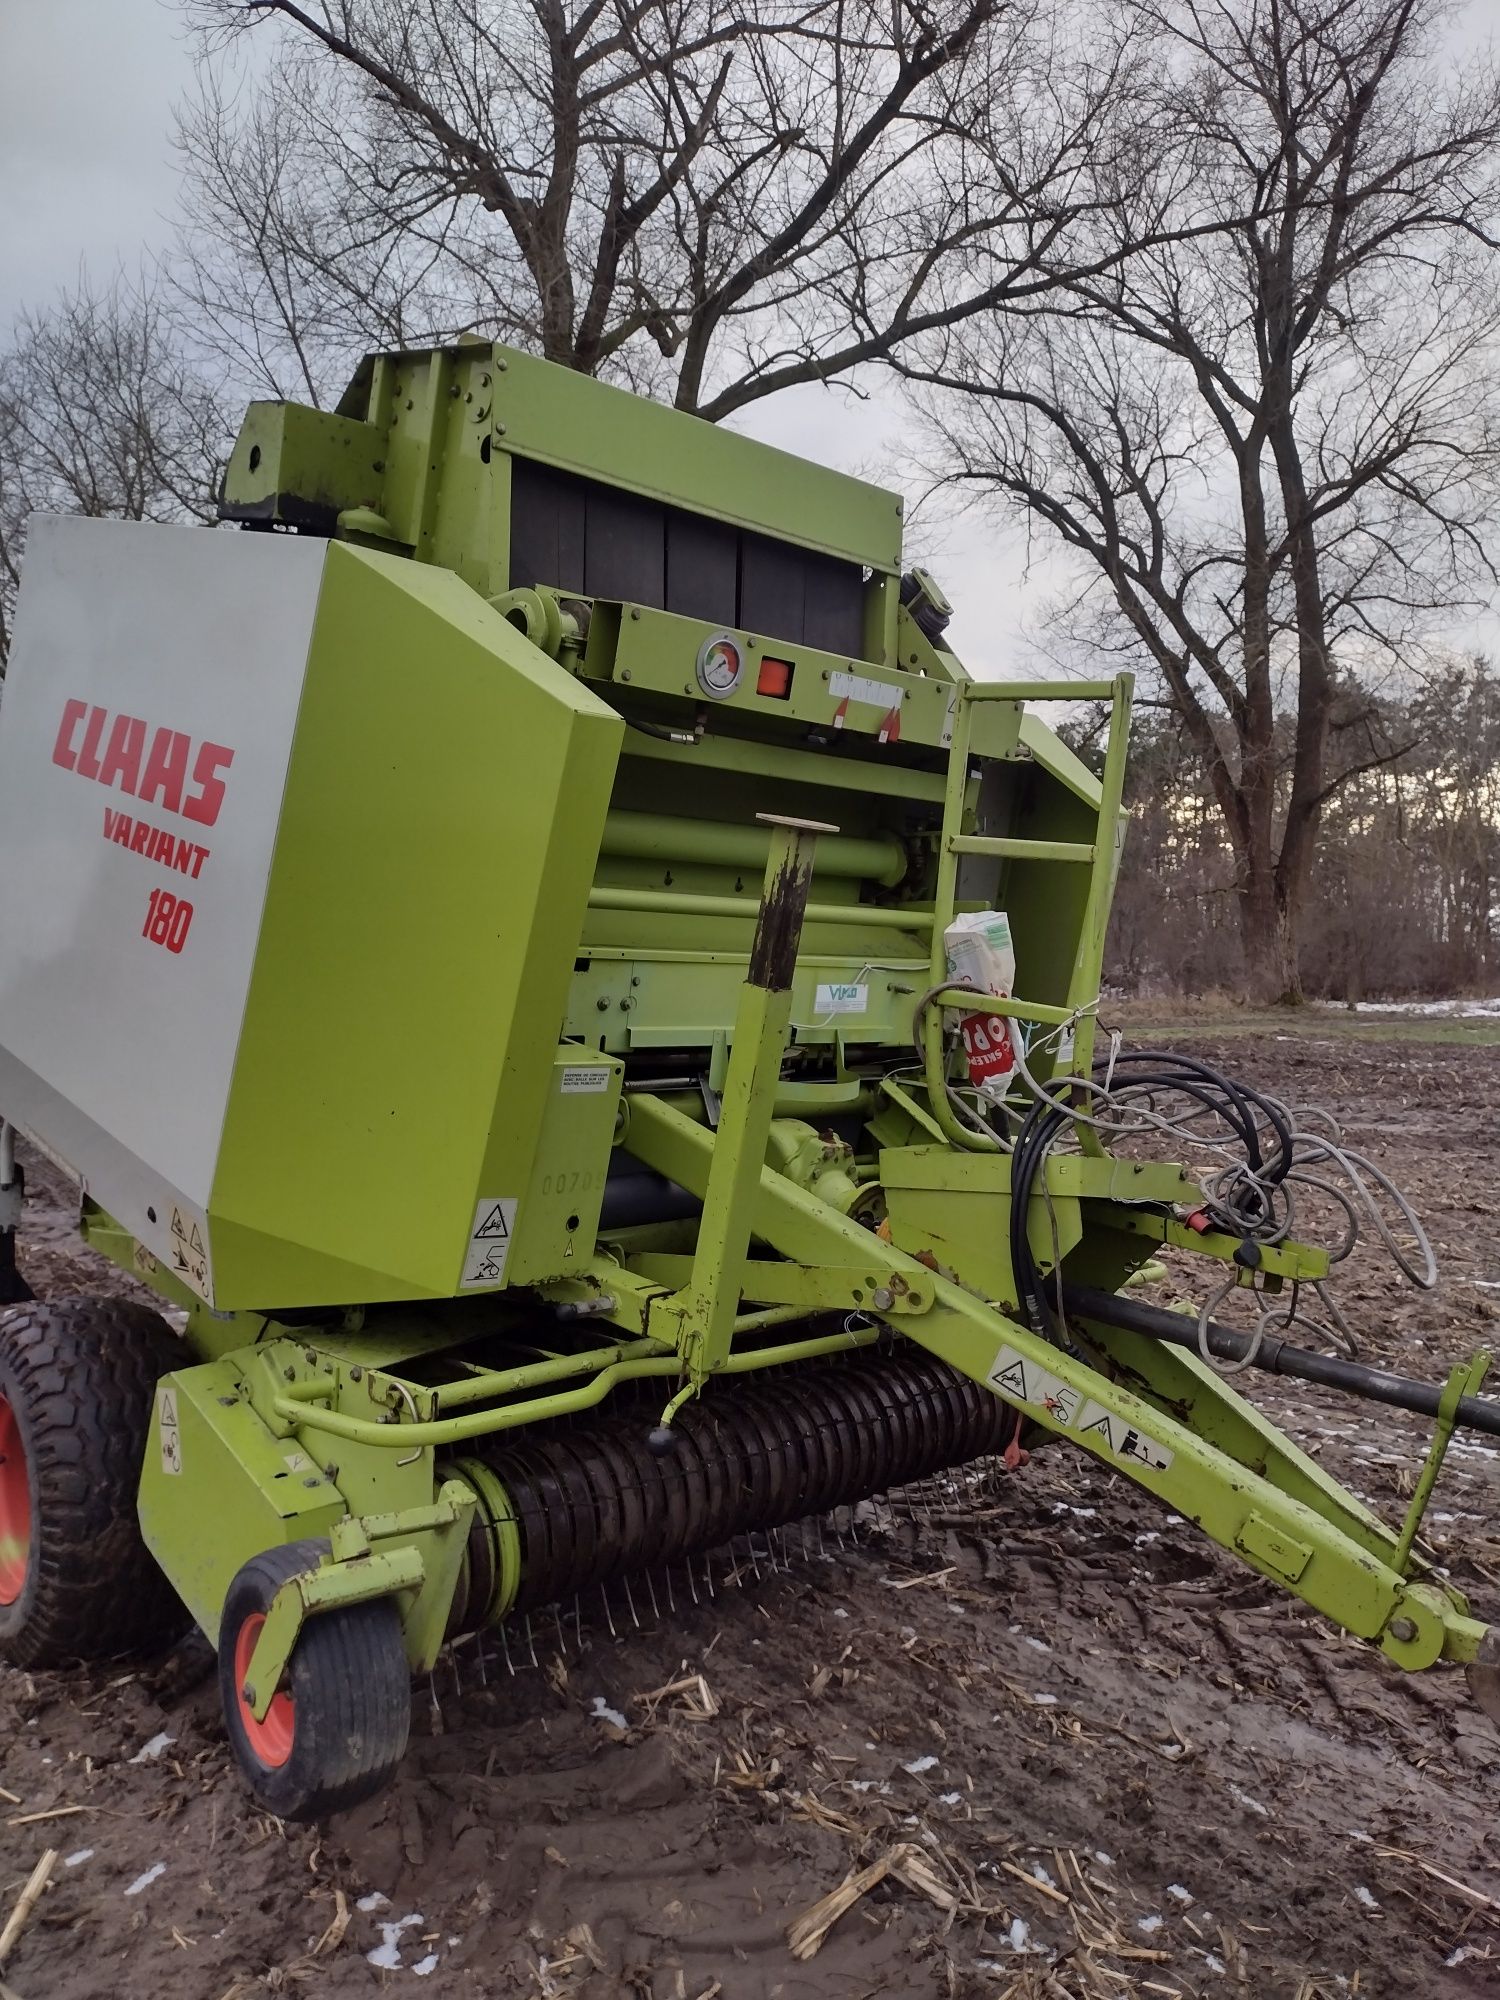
1269 932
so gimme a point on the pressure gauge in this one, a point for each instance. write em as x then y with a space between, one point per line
721 665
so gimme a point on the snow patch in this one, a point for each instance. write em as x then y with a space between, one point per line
602 1712
920 1764
387 1954
156 1869
150 1751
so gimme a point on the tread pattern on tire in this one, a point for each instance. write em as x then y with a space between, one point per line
350 1684
81 1375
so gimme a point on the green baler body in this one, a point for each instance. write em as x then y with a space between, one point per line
564 655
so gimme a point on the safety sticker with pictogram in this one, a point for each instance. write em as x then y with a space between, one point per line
489 1243
168 1432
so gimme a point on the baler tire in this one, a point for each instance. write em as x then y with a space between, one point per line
77 1394
337 1729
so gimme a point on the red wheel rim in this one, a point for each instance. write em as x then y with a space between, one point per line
271 1740
15 1507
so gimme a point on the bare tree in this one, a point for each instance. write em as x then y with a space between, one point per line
1270 449
100 414
708 201
1405 900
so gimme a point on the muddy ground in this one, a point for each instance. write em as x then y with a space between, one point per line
1106 1760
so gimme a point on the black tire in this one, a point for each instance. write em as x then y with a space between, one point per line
77 1392
347 1684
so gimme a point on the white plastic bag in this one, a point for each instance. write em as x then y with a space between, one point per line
980 954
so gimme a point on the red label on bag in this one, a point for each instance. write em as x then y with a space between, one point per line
987 1048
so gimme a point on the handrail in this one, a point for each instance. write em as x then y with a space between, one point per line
1039 691
1101 855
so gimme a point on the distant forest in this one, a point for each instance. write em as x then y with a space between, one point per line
1404 898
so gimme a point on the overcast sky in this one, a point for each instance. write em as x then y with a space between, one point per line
86 95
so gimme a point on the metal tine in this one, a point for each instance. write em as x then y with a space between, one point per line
666 1584
531 1644
458 1686
708 1574
562 1644
754 1561
510 1665
609 1615
630 1600
434 1703
578 1619
651 1588
484 1679
692 1580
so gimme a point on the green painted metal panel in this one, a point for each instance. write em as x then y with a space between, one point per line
444 806
222 1466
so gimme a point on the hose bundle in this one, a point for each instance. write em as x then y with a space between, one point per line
1268 1155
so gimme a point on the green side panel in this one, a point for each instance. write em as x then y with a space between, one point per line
443 812
1046 901
603 433
217 1487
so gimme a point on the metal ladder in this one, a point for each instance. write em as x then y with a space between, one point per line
1099 856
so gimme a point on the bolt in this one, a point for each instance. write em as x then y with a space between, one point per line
356 1373
882 1298
602 1003
249 1693
625 674
635 611
1403 1630
499 430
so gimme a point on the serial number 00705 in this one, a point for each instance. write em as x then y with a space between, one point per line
168 919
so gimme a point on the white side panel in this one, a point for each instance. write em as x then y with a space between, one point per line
145 732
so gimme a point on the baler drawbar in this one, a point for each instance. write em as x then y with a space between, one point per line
585 1016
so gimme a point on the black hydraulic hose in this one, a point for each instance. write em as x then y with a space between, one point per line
1280 1357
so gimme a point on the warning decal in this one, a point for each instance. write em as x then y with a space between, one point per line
1028 1382
189 1252
168 1433
576 1081
489 1243
1031 1383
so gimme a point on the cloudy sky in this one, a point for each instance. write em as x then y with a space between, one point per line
86 95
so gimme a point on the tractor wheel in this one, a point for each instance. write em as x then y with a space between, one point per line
77 1389
337 1727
